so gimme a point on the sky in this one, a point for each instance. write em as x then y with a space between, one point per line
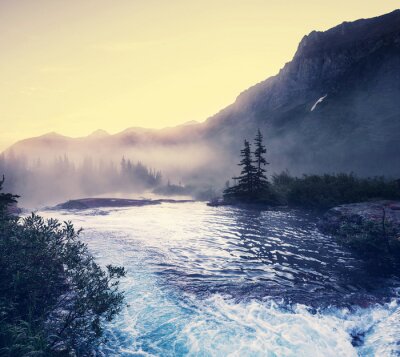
75 66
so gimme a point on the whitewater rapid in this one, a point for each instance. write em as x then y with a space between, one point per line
206 281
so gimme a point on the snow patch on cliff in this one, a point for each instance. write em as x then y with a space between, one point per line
318 101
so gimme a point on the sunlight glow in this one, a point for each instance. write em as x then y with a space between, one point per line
77 66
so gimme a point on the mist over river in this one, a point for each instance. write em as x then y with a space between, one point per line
223 281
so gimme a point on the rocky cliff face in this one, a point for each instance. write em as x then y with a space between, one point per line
334 107
325 59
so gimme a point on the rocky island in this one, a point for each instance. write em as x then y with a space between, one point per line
88 203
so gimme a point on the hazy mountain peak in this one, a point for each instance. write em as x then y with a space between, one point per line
99 133
190 122
51 134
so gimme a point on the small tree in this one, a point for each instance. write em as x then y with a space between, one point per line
253 185
260 179
246 180
6 199
244 189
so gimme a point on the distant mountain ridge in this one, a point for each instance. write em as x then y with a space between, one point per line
350 77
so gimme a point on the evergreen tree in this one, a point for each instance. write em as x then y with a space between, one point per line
123 166
260 179
252 184
6 199
246 178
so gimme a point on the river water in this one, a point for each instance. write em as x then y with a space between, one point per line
223 281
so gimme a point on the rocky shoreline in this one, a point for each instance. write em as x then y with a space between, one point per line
370 228
361 214
89 203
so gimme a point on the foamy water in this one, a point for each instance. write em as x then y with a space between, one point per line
206 281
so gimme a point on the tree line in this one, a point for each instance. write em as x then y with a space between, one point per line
60 178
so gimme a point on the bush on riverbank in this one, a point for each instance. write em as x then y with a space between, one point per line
326 191
54 297
319 191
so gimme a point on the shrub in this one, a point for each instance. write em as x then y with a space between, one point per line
54 297
325 191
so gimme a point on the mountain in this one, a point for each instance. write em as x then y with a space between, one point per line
353 72
334 107
98 134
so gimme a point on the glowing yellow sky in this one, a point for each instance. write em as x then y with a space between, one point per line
74 66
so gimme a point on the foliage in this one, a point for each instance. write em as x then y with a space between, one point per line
246 178
325 191
138 174
260 179
252 186
54 297
309 191
6 200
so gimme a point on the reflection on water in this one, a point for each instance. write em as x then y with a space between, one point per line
223 281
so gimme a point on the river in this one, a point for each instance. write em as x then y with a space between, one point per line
224 281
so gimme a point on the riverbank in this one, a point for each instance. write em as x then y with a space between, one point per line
370 228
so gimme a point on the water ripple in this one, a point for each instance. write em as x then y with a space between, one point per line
225 281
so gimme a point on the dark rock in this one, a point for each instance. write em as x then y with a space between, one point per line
217 202
87 203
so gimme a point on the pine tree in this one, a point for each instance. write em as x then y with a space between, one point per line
260 179
123 165
252 184
6 200
246 178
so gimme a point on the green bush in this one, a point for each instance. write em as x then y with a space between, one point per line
325 191
54 297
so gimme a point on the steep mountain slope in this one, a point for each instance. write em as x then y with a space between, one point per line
355 68
334 107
